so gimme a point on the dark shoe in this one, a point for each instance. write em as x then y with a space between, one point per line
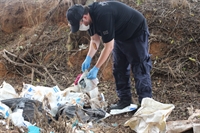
121 104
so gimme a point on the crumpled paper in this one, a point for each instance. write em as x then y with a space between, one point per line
150 117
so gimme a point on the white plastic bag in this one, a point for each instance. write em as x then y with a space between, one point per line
7 91
37 92
56 100
49 96
94 93
86 84
18 120
5 111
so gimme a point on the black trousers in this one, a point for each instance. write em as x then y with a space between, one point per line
132 54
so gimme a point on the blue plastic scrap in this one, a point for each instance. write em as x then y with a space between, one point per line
33 129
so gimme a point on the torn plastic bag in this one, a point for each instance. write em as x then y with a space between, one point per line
27 105
18 120
86 84
85 115
95 114
70 111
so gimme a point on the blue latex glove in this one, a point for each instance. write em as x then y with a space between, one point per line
93 73
86 63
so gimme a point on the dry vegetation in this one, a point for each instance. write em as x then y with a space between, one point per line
35 37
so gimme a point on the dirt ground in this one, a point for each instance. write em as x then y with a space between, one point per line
36 48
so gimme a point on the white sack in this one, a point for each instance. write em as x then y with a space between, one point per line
150 117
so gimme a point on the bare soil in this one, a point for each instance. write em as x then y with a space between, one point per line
36 48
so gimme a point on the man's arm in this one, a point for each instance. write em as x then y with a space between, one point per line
94 45
108 47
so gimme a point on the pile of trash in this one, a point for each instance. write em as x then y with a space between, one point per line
82 100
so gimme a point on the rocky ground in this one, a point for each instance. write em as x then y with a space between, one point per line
36 48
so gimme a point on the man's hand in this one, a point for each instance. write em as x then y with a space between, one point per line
93 73
86 63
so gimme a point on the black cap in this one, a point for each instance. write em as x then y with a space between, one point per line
74 16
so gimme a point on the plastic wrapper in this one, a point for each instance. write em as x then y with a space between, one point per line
71 111
37 92
5 111
18 120
85 115
28 106
86 84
